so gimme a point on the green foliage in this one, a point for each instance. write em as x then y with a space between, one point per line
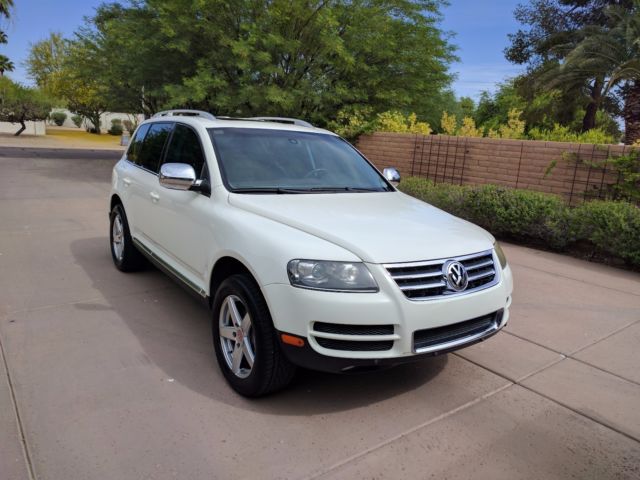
609 227
58 118
130 125
77 120
449 124
469 129
564 134
396 122
19 104
514 128
351 122
612 227
116 127
6 65
311 60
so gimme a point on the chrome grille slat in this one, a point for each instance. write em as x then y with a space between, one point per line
410 276
475 266
424 286
415 276
478 276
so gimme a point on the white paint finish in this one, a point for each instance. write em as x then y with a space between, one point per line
33 128
190 232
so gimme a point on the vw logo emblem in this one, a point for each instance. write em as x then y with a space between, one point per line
455 275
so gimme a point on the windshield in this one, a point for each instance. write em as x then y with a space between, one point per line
279 161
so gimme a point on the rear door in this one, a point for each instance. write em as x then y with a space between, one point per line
144 184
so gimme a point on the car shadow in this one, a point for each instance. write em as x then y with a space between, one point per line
173 329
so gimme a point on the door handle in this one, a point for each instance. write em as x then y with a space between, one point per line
154 197
126 181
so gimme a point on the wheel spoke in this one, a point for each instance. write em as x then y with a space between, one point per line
236 359
246 324
248 352
233 311
227 332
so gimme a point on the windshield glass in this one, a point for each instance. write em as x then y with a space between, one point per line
279 161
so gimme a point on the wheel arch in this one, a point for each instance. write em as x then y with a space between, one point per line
115 200
225 267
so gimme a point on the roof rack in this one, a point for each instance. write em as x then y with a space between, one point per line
184 113
292 121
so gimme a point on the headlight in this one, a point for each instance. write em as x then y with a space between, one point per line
501 255
332 276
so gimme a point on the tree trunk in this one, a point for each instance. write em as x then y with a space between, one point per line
23 127
631 114
95 119
589 120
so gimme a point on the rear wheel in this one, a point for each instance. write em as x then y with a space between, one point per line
126 256
245 340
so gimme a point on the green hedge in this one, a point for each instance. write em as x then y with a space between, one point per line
608 228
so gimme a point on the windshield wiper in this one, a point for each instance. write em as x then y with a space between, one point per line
277 190
345 189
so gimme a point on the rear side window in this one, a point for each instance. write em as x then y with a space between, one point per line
136 143
151 151
185 148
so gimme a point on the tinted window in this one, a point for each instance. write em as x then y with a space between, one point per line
136 143
185 148
307 162
151 151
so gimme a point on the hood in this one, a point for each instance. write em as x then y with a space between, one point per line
379 227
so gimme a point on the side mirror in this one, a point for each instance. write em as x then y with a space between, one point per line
177 176
391 174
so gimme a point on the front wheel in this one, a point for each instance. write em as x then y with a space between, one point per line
245 340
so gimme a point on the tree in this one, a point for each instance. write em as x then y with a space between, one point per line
71 70
20 104
46 60
6 65
310 59
552 29
612 54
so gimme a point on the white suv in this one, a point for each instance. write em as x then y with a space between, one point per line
306 253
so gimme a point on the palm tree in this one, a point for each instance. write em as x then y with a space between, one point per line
6 65
5 6
612 54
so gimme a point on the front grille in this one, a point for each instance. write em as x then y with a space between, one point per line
436 336
426 280
354 346
343 329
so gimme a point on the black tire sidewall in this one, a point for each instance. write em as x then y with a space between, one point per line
255 383
129 260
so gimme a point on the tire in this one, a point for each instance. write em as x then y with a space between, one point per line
125 255
262 368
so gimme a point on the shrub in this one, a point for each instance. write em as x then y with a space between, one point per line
469 129
561 133
129 126
77 120
449 124
58 118
351 122
396 122
611 228
514 127
116 127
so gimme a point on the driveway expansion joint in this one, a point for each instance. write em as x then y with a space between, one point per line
16 411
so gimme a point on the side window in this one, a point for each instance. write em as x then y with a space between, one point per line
185 148
136 143
151 150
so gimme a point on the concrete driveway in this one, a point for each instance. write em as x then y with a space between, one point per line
111 376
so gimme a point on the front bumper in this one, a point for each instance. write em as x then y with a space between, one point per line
295 311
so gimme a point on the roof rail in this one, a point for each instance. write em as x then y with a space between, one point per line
184 113
292 121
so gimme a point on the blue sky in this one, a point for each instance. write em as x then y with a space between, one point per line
480 28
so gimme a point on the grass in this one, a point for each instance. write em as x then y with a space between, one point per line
80 137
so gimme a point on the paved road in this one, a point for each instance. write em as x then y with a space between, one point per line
111 376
